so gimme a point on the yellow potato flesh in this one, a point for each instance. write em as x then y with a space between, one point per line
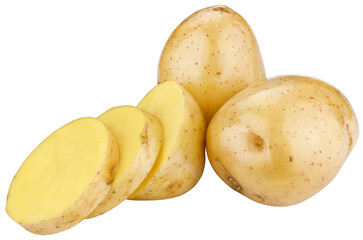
139 136
58 171
170 114
127 134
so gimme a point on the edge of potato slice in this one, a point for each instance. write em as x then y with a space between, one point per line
139 136
81 152
180 163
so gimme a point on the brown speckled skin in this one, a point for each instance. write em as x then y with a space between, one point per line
152 138
87 202
213 54
183 169
282 142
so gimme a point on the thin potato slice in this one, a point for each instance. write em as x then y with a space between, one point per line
65 178
139 136
180 162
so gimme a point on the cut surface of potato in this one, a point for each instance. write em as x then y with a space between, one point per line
64 178
139 136
180 162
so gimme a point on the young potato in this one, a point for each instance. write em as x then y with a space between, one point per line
64 178
282 142
139 136
180 162
213 54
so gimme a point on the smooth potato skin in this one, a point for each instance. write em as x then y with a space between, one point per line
282 142
185 165
213 54
87 202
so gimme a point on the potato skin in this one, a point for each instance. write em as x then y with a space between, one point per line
152 138
213 54
185 165
87 202
282 142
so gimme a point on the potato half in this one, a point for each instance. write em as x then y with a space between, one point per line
180 162
213 54
282 142
64 178
139 136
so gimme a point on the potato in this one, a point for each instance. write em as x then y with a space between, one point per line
139 136
180 162
64 178
282 142
213 54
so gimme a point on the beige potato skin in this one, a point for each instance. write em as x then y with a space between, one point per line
87 202
213 54
140 167
185 165
282 142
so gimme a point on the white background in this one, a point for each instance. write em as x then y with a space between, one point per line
61 60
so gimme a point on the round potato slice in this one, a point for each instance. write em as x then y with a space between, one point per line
180 162
139 136
65 178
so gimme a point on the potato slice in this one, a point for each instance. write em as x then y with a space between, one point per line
180 162
65 178
139 136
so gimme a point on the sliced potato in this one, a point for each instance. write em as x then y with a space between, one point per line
139 136
64 178
180 162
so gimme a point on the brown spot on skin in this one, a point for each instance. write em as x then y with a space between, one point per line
234 184
114 191
130 180
350 136
291 159
221 9
109 182
218 73
257 198
257 143
143 138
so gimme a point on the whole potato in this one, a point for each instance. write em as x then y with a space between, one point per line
213 54
282 142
